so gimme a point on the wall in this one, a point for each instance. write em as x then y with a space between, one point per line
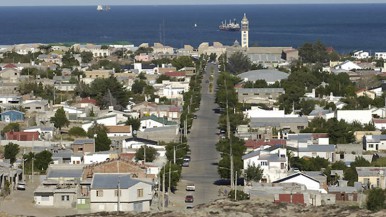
38 201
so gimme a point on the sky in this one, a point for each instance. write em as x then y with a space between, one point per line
174 2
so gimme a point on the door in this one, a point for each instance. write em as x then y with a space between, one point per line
138 207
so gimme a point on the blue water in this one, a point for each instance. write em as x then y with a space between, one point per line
344 27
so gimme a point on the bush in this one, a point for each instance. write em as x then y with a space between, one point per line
77 131
375 200
240 195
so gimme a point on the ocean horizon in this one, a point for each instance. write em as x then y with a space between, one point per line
345 27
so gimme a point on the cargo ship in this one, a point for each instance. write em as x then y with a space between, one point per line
231 26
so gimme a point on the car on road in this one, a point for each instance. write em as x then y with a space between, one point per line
190 187
185 164
194 116
187 158
189 199
20 186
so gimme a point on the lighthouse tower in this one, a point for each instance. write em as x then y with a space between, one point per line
244 32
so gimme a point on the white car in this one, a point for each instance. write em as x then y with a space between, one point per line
20 186
190 187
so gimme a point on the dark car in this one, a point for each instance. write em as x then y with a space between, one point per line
189 199
185 164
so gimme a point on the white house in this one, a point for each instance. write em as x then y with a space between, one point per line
136 143
380 55
46 133
303 179
256 112
360 55
118 192
272 159
374 142
350 116
379 124
116 131
110 120
154 122
171 89
97 157
348 65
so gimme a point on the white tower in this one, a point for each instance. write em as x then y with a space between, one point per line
244 32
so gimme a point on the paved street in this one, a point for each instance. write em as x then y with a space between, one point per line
202 139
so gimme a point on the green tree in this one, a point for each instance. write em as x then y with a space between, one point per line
77 131
151 154
42 160
135 123
175 174
182 61
10 151
86 56
238 63
138 86
161 78
253 173
376 200
69 61
238 149
15 127
181 151
380 62
102 142
313 52
60 119
241 195
146 50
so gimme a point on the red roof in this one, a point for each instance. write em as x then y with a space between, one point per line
174 109
258 143
175 74
10 66
239 85
88 100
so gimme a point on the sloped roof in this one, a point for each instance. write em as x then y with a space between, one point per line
318 148
294 175
175 74
111 181
257 143
268 75
159 120
118 129
83 141
65 172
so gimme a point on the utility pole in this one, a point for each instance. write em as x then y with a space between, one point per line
119 194
174 154
144 154
229 135
236 187
163 190
170 179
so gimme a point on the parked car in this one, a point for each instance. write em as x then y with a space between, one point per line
187 158
20 186
194 116
189 199
185 164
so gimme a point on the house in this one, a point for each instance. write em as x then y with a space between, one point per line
350 116
268 75
348 65
365 92
257 112
132 194
159 48
321 113
374 142
379 124
59 189
22 136
252 145
143 57
83 146
45 133
322 151
108 120
295 124
35 105
172 89
114 131
302 179
171 112
12 116
217 48
272 56
94 74
272 159
10 75
99 157
372 177
153 122
259 95
343 192
360 55
380 55
135 143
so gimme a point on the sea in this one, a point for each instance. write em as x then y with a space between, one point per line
345 27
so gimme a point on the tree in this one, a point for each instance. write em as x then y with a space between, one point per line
135 123
15 127
238 63
69 61
86 57
10 152
102 142
175 174
161 78
151 153
77 131
375 199
42 160
60 119
313 52
238 149
253 173
182 61
138 86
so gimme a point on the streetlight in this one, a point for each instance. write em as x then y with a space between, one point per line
174 151
163 183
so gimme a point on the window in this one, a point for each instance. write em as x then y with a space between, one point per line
38 107
300 127
99 193
245 94
45 198
80 149
256 94
140 192
116 193
263 163
371 145
378 182
282 166
27 108
65 197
